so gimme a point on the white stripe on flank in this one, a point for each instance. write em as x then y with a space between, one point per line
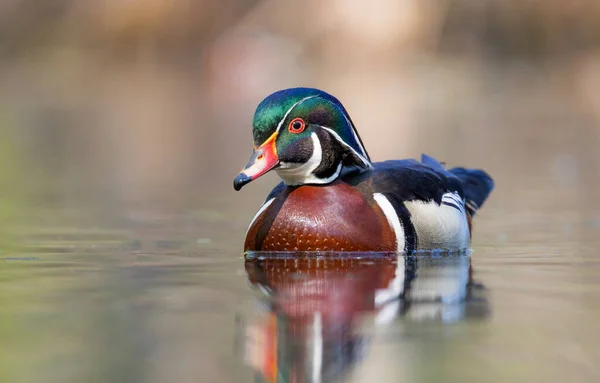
290 110
260 211
339 139
393 219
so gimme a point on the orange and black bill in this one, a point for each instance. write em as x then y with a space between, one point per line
262 160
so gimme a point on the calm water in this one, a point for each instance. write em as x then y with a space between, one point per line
170 298
108 276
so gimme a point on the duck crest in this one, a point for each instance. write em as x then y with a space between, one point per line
320 110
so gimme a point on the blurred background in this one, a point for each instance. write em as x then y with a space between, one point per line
149 103
123 123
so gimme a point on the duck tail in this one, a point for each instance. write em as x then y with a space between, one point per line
477 186
475 183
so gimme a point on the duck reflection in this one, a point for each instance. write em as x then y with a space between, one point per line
315 310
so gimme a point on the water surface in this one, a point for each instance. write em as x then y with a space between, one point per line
120 254
158 302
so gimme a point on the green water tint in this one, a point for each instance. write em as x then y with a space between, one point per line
11 202
100 286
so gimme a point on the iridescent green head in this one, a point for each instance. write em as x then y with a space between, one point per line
306 135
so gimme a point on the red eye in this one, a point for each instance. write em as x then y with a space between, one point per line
296 126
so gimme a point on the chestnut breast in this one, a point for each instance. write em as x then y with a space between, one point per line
336 217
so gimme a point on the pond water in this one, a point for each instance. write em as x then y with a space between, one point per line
108 276
156 302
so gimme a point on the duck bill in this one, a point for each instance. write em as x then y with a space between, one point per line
262 160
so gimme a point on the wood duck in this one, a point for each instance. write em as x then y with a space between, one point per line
333 198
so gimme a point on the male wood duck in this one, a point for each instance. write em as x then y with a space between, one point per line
333 198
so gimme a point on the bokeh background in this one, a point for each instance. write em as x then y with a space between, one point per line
149 103
126 121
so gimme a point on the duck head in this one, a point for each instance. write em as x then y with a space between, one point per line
306 136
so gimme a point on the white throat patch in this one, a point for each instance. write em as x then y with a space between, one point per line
300 174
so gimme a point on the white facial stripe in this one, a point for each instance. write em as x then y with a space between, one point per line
299 174
285 116
393 219
355 134
339 139
295 174
260 211
336 174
